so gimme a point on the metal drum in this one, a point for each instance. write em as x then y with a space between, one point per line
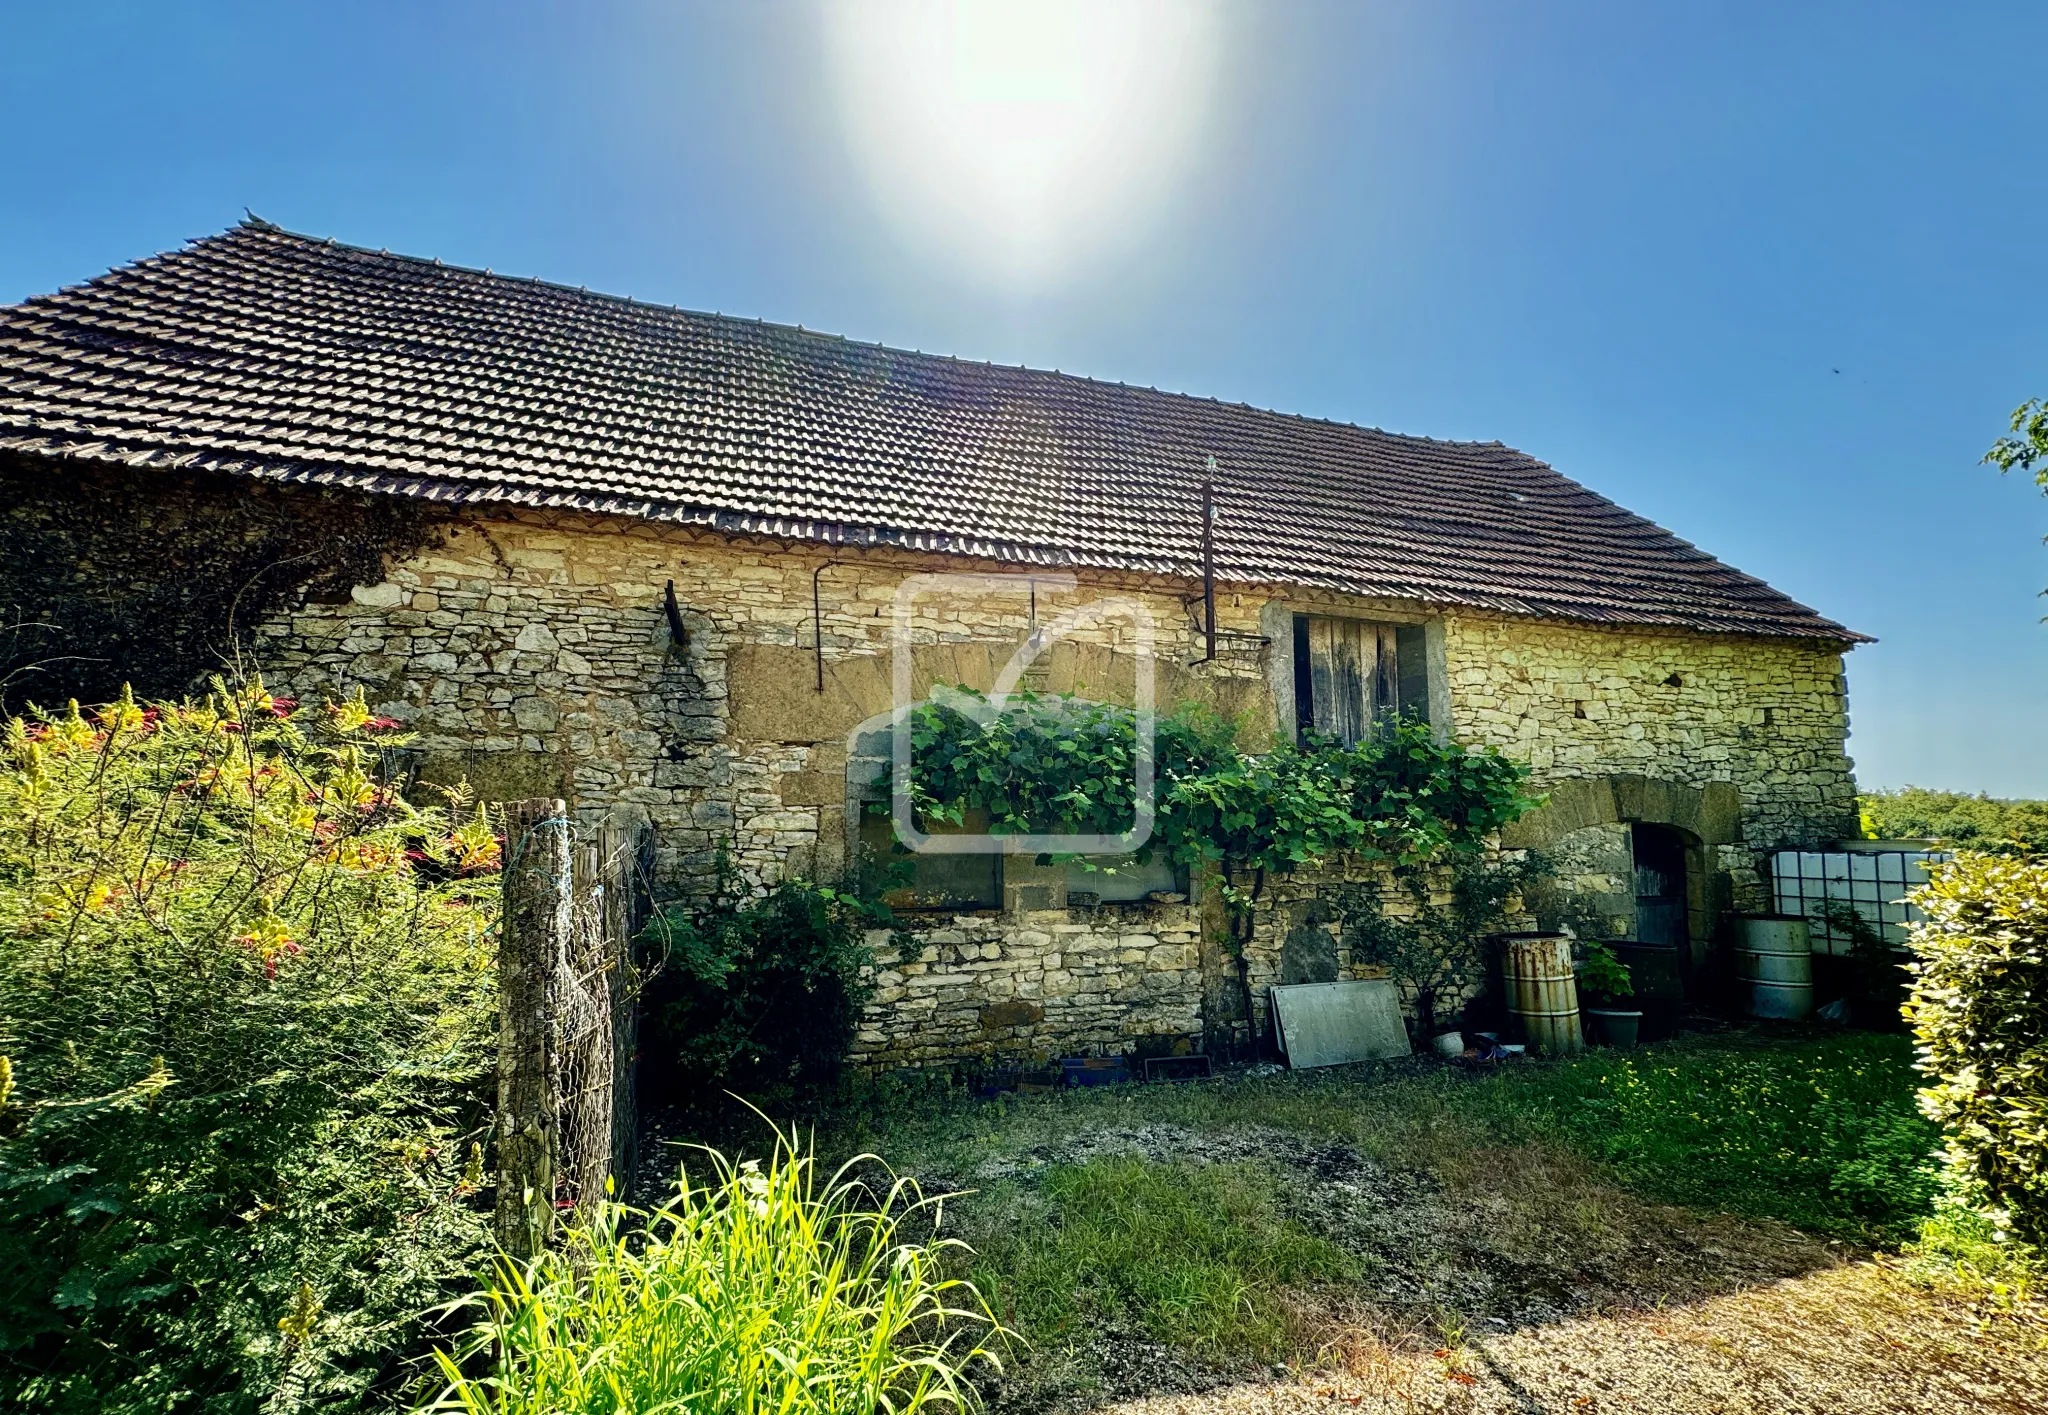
1543 990
1774 961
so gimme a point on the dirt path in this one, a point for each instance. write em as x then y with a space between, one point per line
1857 1339
1529 1285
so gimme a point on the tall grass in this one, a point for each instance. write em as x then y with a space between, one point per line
764 1290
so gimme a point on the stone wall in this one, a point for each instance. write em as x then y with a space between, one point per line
1768 716
530 654
1034 984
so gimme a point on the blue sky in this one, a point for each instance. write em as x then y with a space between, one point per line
1770 274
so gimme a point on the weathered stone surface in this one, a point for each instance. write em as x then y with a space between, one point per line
530 653
384 596
1015 1013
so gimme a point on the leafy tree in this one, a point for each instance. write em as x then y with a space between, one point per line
1435 947
2027 449
1954 819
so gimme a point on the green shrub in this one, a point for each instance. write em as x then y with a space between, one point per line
1979 1010
1194 1254
760 996
759 1293
246 996
1066 765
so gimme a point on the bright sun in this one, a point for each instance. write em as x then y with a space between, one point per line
1020 136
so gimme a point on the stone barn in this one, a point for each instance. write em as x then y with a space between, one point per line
652 561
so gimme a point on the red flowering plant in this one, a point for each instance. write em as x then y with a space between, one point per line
247 1006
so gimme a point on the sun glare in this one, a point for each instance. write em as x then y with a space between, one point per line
1021 137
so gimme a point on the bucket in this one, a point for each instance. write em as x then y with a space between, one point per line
1543 991
1774 962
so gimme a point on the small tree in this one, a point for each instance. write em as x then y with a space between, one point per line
1436 950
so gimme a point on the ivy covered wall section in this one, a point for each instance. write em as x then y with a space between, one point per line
155 579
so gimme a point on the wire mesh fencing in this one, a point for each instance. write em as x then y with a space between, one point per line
568 997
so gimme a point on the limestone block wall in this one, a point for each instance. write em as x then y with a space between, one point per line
530 654
1769 716
1034 984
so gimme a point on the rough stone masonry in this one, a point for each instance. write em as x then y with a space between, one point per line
530 655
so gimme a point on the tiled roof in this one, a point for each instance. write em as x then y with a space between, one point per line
276 355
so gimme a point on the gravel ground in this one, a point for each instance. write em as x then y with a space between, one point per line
1532 1286
1848 1340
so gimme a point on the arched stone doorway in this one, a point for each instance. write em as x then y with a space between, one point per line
1587 829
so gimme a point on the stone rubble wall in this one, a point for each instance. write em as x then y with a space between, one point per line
1770 716
530 655
1036 984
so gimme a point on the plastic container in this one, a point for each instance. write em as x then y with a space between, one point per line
1774 965
1613 1027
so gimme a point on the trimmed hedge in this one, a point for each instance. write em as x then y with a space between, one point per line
1979 1009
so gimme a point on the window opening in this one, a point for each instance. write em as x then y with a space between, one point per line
931 880
1351 675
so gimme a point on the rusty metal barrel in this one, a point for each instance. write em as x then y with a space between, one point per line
1542 989
1774 963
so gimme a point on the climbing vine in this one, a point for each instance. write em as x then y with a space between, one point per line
150 580
1065 765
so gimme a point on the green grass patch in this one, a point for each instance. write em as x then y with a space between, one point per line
1193 1254
1822 1134
765 1288
1960 1250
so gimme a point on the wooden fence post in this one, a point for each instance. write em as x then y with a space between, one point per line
539 925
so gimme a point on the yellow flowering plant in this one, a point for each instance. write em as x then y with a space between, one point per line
247 1008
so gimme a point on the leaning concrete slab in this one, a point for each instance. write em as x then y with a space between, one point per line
1328 1024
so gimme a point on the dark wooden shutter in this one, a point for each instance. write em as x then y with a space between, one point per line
1353 675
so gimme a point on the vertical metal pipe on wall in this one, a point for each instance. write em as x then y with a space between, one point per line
1209 560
